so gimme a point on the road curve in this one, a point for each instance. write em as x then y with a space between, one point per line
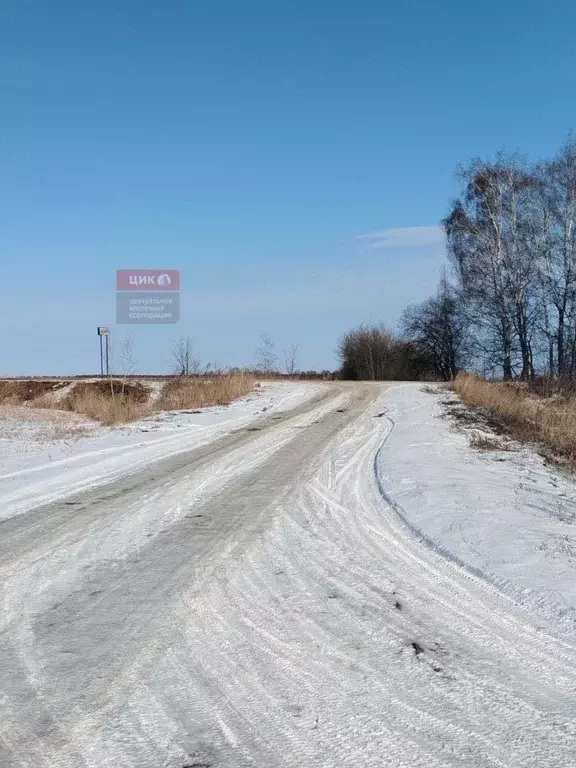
259 602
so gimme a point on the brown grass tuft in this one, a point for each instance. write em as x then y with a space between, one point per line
109 402
184 393
131 390
548 421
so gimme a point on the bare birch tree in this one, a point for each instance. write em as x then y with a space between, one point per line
127 361
290 359
490 242
266 357
558 257
183 362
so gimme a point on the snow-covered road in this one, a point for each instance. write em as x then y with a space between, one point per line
276 599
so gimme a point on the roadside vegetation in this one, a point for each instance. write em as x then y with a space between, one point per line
373 353
542 411
127 397
110 402
118 401
181 394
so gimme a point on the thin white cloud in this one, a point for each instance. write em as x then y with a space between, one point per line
401 237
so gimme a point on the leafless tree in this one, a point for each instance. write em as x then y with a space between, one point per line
266 357
290 359
558 253
184 363
511 240
372 353
491 241
127 361
439 328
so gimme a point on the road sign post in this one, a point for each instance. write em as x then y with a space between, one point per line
104 333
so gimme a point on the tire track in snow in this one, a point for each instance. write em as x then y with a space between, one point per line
287 649
489 717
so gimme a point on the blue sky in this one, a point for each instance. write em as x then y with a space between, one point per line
263 148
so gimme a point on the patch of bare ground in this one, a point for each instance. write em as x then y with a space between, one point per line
483 431
435 389
482 442
541 414
17 391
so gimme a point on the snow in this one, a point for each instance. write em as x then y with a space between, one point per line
505 513
342 588
46 454
343 638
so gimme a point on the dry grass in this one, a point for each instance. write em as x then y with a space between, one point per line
115 401
548 421
183 394
109 402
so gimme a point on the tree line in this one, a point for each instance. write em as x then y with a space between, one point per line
506 306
